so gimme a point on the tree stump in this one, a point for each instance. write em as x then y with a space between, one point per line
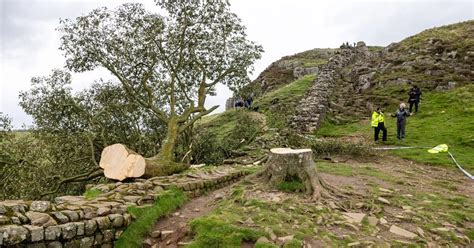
285 163
120 162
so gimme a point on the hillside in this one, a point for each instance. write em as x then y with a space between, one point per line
422 193
320 99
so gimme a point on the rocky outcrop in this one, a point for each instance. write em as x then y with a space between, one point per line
76 221
314 105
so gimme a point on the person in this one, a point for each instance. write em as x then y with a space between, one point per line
249 101
378 123
239 103
414 98
401 115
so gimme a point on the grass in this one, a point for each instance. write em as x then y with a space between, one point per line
92 193
145 217
443 118
279 105
291 186
213 232
350 171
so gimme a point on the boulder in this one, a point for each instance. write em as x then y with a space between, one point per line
13 234
40 206
402 232
40 219
36 233
354 217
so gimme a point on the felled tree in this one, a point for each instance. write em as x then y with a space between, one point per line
168 65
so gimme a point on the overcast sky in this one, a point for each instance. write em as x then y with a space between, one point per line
29 43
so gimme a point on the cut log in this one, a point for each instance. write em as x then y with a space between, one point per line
119 162
287 164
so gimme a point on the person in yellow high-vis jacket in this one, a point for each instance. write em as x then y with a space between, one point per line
378 123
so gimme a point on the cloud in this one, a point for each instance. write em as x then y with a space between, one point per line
29 43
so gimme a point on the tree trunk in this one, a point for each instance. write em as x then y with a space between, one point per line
287 164
120 162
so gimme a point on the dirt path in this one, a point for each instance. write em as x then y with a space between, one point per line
173 230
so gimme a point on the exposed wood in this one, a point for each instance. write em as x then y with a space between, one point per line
120 162
287 164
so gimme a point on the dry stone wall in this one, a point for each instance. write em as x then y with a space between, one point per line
75 221
314 105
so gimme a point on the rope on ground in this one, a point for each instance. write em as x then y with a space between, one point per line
459 166
424 147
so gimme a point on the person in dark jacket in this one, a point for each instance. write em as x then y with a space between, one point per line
414 98
401 115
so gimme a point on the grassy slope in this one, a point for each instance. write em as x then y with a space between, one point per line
444 117
287 98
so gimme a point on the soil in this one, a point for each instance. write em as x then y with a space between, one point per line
177 222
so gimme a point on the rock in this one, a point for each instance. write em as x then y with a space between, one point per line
383 221
385 190
108 235
149 242
4 220
103 211
354 217
3 210
131 198
14 220
285 239
81 226
373 221
360 44
402 232
351 226
68 230
117 220
270 233
420 232
263 240
452 85
103 223
52 233
155 234
36 233
60 217
440 230
166 234
72 215
87 242
13 234
407 207
353 244
40 206
40 219
383 200
56 244
90 227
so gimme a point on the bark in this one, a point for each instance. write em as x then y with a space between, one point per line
287 164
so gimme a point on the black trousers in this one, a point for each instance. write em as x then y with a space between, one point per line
377 129
416 106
